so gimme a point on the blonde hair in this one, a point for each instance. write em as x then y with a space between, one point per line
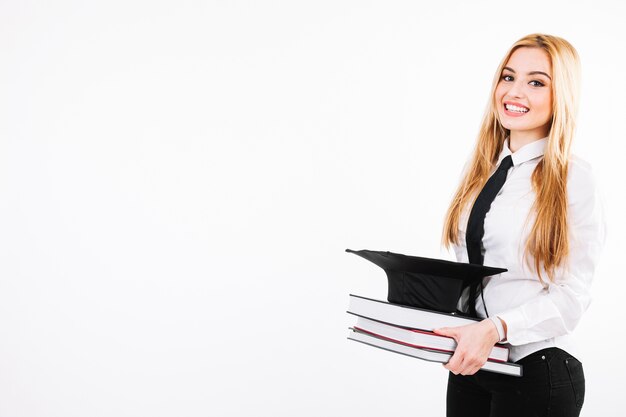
548 242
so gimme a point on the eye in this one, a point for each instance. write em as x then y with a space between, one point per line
507 77
538 83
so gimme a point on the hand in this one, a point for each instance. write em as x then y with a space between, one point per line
474 344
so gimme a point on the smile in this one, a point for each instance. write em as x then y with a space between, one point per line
515 110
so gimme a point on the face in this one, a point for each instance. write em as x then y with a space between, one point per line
524 94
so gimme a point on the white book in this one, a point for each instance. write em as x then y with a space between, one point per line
506 368
419 338
414 318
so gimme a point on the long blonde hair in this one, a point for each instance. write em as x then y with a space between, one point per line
548 242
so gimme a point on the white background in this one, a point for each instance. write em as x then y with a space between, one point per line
179 180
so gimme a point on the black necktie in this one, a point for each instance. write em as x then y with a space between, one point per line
476 223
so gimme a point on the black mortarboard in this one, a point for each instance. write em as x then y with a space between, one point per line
433 284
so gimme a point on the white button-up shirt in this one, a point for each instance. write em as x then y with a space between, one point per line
537 315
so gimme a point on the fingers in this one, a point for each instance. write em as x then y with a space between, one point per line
464 364
441 331
455 364
462 371
447 331
471 352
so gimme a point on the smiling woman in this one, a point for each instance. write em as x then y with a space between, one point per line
527 205
524 96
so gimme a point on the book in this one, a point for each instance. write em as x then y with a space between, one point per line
506 368
404 316
419 338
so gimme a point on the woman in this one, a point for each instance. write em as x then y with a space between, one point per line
543 223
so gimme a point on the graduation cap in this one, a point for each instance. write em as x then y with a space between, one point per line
433 284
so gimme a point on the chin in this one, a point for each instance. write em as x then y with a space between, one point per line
519 126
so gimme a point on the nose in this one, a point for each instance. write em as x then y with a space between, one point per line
516 90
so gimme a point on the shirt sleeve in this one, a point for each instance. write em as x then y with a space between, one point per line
560 305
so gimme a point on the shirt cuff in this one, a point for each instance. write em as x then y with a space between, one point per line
515 325
498 323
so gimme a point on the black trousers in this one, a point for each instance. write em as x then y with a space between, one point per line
553 385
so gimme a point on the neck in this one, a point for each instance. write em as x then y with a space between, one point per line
518 139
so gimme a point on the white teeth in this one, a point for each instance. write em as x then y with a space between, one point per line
511 107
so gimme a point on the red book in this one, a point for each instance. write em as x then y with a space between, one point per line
419 338
506 368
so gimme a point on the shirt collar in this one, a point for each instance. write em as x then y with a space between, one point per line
527 152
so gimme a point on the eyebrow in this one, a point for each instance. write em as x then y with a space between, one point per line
530 73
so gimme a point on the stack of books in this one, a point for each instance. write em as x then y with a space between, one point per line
409 331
